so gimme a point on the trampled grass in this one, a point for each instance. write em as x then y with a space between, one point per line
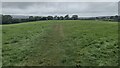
60 43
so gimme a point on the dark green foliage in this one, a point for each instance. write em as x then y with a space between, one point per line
37 18
16 20
31 18
61 18
75 17
6 19
55 18
50 17
66 17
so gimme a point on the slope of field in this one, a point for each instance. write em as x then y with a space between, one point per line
60 43
0 45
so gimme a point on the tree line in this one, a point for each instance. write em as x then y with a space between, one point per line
8 19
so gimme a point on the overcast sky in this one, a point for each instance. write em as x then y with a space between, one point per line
60 0
61 8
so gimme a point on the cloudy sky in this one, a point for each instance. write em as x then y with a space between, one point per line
82 9
60 0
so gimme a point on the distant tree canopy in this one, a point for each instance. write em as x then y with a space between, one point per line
50 17
37 18
55 18
0 19
61 18
31 18
66 17
8 19
16 20
75 17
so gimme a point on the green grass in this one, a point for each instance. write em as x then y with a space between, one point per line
0 45
60 43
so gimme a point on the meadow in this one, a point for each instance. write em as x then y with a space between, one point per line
60 43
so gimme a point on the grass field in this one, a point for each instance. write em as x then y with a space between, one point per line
60 43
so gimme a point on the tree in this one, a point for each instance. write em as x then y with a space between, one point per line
66 17
0 19
58 18
31 18
43 18
16 20
6 19
50 18
96 18
61 17
75 17
37 18
111 17
116 18
55 18
25 20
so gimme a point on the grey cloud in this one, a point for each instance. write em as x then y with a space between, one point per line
0 8
61 8
14 5
59 0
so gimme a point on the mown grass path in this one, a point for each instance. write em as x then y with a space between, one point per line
52 51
